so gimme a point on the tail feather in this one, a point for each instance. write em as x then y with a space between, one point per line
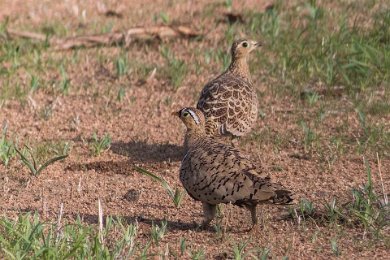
283 197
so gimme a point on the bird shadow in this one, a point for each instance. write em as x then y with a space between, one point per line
172 225
150 221
120 167
93 219
140 151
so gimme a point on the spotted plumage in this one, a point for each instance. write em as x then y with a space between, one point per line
214 172
229 102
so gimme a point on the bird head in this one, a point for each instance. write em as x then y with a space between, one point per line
192 118
241 48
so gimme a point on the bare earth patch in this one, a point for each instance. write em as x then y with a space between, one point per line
144 133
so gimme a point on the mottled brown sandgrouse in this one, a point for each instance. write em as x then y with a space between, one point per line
229 102
214 172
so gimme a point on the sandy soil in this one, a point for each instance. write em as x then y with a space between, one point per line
144 133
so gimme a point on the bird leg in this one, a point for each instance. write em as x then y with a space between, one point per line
252 209
209 212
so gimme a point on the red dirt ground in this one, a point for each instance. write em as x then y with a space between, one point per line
144 133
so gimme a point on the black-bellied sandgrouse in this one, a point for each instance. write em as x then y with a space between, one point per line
214 172
229 102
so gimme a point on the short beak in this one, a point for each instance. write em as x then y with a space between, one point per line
257 44
176 113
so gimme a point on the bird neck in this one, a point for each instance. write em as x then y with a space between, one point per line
239 67
192 137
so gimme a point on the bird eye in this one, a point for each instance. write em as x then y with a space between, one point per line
244 44
185 114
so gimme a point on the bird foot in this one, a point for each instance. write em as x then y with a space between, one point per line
253 228
203 226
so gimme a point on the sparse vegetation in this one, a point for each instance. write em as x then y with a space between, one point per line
238 250
322 78
7 149
65 81
30 237
121 94
183 246
158 232
197 254
303 211
36 160
176 69
175 194
366 209
335 247
311 50
99 145
121 65
309 136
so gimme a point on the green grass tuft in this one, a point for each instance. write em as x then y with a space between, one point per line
306 48
99 145
176 69
33 158
7 148
31 238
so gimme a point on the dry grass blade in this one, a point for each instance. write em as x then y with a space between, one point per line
163 182
176 194
26 161
53 160
59 226
24 34
385 197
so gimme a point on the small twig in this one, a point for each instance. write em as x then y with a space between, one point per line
79 185
5 188
44 204
298 217
152 75
114 38
385 198
101 237
59 227
30 35
166 252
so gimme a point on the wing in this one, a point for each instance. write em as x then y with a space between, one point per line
186 174
221 174
229 105
247 181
